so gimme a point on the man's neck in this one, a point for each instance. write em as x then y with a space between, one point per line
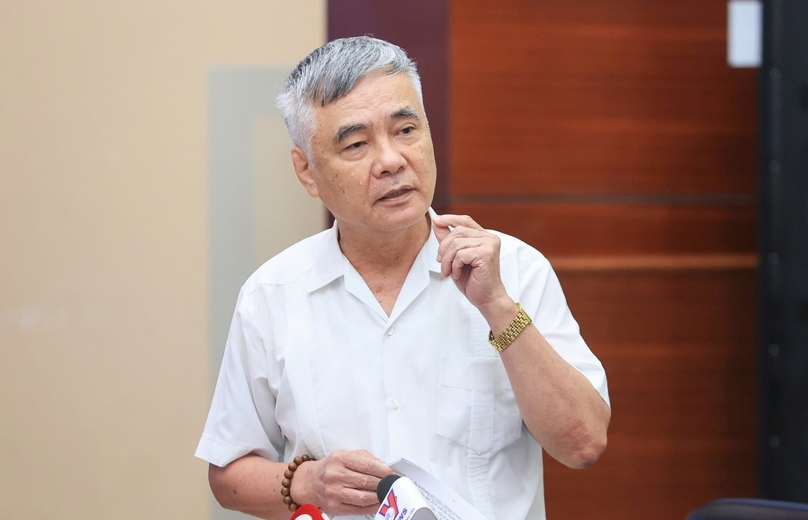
384 260
384 251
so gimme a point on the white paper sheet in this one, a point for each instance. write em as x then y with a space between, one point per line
445 503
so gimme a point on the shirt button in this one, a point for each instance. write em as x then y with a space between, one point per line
389 331
395 403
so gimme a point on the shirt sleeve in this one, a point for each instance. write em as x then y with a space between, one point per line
242 414
544 300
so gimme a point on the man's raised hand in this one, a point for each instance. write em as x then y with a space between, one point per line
470 255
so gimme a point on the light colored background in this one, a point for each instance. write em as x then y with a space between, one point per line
105 263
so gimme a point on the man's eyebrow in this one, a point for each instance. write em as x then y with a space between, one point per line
405 113
401 113
345 131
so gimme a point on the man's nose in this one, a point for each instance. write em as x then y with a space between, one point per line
389 158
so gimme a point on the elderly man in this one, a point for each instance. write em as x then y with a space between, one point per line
397 333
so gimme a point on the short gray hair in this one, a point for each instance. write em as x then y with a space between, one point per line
329 73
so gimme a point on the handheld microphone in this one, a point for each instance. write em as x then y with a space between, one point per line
309 512
401 500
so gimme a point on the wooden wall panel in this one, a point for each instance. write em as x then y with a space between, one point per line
572 97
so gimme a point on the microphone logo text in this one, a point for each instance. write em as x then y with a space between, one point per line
389 509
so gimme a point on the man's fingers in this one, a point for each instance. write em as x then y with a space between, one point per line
352 510
441 229
444 225
455 234
358 498
366 464
350 480
449 256
459 220
464 259
351 502
361 481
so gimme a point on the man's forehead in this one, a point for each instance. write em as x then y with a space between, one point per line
376 90
375 99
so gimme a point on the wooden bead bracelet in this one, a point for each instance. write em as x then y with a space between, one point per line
286 484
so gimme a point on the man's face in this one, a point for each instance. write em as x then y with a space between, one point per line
372 162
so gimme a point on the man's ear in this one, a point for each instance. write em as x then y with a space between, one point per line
303 169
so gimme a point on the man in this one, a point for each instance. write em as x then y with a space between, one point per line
369 342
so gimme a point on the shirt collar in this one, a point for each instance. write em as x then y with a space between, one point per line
431 247
328 262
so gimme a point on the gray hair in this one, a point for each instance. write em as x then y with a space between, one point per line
329 73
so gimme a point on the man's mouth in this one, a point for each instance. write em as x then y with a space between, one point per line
394 194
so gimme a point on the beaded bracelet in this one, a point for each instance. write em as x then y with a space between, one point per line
286 484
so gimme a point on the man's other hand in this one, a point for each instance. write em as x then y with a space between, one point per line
344 483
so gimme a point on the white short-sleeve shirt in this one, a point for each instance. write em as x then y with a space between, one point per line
313 364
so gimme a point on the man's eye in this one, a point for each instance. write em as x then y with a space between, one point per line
407 130
354 146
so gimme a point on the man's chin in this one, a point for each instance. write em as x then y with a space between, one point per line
396 219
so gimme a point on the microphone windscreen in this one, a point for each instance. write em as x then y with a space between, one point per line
306 512
384 486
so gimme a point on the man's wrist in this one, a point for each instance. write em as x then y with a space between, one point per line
499 313
301 487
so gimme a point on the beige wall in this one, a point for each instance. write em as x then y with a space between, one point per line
104 379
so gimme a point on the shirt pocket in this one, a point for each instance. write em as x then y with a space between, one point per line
476 406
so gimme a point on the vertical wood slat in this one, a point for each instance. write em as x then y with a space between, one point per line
420 27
